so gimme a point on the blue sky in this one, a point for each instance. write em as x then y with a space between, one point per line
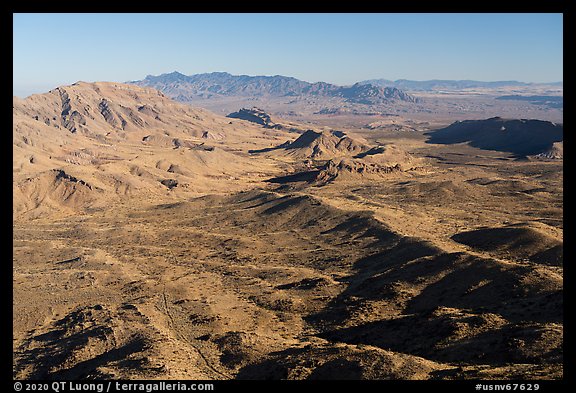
342 48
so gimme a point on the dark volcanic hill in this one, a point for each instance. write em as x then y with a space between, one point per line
254 115
519 136
187 88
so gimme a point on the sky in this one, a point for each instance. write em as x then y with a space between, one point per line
51 49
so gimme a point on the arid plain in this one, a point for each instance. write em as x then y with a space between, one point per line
153 239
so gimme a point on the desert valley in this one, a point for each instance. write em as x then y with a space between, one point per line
222 227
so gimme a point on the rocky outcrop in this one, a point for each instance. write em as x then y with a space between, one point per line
321 145
556 152
69 118
255 115
105 111
352 168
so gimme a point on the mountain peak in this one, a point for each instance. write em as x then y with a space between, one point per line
171 76
218 73
319 145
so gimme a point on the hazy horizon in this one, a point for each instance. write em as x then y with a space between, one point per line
336 48
44 89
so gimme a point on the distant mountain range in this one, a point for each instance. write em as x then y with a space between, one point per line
437 84
185 88
284 96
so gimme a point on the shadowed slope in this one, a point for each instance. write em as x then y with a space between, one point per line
520 241
521 137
